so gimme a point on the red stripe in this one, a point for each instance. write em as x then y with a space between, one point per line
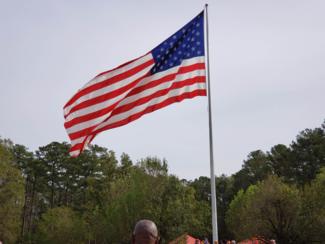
81 133
168 77
138 115
159 93
141 100
90 116
109 81
120 66
151 108
104 97
168 101
78 146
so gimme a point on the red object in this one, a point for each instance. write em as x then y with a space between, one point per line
190 240
187 238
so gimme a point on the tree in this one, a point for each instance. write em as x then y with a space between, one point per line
281 162
312 219
11 196
271 209
61 225
255 168
308 154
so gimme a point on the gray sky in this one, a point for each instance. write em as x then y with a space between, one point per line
267 73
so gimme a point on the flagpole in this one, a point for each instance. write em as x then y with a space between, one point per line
213 184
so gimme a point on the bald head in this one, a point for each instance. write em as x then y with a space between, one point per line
145 232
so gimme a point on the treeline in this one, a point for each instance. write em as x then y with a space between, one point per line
48 197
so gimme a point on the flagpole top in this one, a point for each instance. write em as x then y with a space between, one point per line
206 5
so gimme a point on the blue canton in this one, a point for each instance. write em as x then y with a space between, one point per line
186 43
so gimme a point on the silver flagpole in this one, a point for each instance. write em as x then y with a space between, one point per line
213 183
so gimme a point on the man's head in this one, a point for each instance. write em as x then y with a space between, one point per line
145 232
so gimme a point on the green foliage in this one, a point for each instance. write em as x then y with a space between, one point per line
270 208
312 222
308 154
254 169
61 225
11 196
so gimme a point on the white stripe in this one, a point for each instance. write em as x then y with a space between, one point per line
102 91
77 141
146 80
119 71
142 107
87 124
94 108
112 87
165 85
74 153
185 62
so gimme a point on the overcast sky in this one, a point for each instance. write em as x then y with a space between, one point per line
267 74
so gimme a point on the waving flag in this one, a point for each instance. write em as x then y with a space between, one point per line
171 72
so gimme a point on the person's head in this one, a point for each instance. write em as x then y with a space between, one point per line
145 232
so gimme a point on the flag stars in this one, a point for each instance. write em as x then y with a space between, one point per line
184 44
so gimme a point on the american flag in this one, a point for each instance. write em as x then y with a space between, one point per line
171 72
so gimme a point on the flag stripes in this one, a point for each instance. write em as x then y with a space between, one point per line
149 93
